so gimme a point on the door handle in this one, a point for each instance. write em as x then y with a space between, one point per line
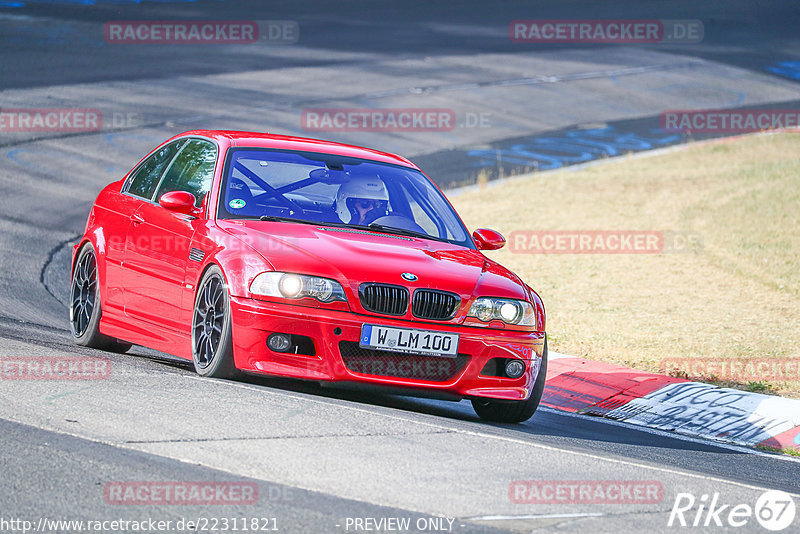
137 219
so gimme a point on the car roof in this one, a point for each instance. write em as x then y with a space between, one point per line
286 142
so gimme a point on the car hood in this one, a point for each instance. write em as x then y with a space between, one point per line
353 257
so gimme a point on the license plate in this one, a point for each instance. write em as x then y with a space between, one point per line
409 340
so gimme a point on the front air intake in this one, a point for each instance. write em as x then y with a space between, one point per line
384 299
435 305
399 365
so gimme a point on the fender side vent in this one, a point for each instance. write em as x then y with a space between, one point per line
196 255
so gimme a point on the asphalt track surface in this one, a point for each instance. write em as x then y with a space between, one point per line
321 456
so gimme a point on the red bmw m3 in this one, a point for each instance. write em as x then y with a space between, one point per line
291 257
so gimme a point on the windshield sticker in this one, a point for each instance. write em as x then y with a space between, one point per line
237 203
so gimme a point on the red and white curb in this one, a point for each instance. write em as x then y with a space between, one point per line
673 404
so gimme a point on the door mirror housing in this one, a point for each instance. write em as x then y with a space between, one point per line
179 202
486 239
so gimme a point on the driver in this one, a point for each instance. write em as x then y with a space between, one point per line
362 200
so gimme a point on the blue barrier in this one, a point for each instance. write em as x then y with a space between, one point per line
787 69
576 146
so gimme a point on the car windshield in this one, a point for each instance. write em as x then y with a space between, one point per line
335 190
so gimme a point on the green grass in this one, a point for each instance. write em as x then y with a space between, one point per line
737 295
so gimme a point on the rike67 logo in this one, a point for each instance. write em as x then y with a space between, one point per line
774 510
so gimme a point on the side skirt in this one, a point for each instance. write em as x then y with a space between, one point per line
116 324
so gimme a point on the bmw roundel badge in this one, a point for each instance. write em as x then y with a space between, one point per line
409 277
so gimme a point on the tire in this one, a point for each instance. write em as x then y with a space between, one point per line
514 411
85 309
212 344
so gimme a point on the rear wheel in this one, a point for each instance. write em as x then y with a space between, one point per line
85 309
514 411
212 346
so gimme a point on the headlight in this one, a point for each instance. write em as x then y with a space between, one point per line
296 286
516 312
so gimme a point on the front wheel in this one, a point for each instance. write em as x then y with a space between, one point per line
514 411
212 346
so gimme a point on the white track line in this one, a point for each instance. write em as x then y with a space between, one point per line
525 442
262 390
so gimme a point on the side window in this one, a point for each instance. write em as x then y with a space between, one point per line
192 170
145 180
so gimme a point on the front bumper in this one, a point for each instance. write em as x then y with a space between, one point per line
255 320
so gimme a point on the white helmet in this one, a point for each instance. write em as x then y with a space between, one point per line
361 196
